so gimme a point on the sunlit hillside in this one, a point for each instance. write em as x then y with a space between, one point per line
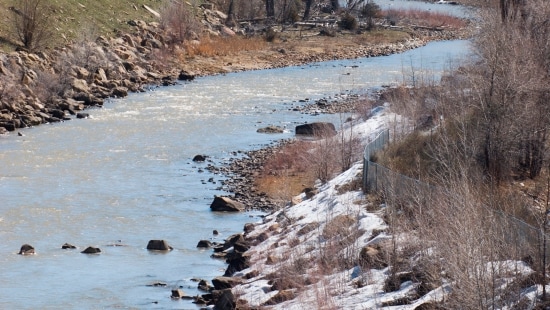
74 19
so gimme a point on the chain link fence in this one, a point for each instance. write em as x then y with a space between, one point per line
521 238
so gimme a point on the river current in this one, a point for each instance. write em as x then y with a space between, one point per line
125 176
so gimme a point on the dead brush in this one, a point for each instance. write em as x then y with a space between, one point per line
221 46
424 18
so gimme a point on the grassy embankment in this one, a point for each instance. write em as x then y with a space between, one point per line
74 19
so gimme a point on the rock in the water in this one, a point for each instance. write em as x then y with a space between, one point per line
68 246
82 115
177 294
159 245
320 129
226 204
26 249
204 244
199 158
204 286
91 250
215 232
270 129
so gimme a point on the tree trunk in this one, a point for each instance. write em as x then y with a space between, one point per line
230 21
307 9
270 8
335 5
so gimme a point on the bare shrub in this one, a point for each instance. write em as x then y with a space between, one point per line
179 21
32 23
423 18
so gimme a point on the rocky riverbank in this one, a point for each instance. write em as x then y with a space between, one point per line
57 85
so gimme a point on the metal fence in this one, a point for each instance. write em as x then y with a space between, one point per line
522 238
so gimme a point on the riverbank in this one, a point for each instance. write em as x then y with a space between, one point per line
57 85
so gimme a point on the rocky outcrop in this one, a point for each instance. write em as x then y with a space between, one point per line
158 245
226 204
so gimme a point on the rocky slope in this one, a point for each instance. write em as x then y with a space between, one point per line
54 85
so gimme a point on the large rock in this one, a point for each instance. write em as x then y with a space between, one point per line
186 76
91 250
159 245
226 204
225 300
221 283
320 129
26 249
270 129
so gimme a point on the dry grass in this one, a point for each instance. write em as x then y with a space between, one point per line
382 36
424 18
223 46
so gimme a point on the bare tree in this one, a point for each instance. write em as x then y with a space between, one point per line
31 21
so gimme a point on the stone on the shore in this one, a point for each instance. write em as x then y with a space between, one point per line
186 76
26 249
225 300
221 283
226 204
91 250
158 245
319 129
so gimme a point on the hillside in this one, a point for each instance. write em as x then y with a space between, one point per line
83 18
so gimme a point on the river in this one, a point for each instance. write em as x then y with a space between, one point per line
125 176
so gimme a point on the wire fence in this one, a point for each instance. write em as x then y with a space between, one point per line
522 238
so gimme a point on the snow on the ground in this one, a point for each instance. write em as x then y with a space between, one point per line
296 232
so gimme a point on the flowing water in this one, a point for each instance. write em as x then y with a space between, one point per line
125 176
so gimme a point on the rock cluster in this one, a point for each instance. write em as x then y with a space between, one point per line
48 87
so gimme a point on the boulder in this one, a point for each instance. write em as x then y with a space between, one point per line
221 283
68 246
204 286
158 245
270 129
226 204
26 249
82 115
91 250
186 76
120 92
80 85
177 294
199 158
204 244
225 300
320 129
